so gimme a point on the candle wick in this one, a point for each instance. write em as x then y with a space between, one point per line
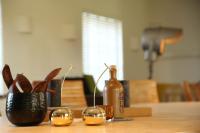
107 66
98 82
65 75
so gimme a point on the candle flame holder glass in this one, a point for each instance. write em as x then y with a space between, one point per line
61 117
94 115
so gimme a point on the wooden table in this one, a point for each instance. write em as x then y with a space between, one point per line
167 118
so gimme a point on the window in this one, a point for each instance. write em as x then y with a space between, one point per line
102 43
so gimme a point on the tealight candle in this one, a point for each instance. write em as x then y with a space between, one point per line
94 116
61 117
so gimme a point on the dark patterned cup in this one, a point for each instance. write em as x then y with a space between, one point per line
26 109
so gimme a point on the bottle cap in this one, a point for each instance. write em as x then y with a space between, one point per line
113 67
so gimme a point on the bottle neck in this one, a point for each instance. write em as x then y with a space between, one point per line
113 74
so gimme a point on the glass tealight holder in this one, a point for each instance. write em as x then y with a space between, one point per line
61 117
94 115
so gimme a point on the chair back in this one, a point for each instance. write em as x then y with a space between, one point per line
72 94
170 92
143 91
191 91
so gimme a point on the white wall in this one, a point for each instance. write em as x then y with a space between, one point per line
134 21
37 53
44 49
181 61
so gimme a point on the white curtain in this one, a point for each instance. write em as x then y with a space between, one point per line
102 43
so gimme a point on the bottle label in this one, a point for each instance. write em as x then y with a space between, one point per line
118 102
121 97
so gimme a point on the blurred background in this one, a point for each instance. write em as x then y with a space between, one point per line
39 35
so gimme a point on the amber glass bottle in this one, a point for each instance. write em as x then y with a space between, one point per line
114 93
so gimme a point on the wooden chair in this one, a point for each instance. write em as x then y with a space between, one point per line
72 94
192 91
143 91
170 92
2 104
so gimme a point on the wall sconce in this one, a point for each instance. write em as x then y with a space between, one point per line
68 32
23 24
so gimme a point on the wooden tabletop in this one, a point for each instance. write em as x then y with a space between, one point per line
167 118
